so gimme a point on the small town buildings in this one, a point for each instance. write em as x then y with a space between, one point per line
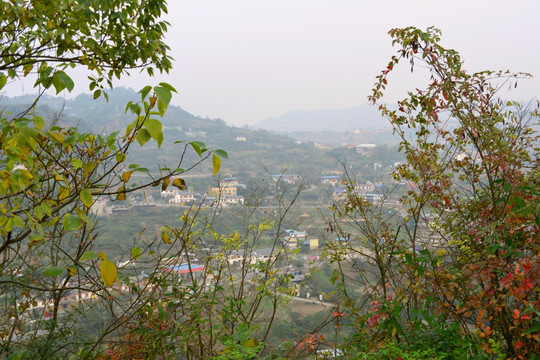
367 187
373 198
224 191
183 197
227 182
101 207
238 256
293 238
185 271
232 200
289 179
330 179
365 149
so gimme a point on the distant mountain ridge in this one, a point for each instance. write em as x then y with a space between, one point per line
98 115
252 152
364 117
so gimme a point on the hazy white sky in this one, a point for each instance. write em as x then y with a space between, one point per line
246 60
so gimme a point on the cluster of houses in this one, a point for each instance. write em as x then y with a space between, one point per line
371 192
293 239
224 195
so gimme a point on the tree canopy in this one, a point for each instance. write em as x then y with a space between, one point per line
455 269
106 37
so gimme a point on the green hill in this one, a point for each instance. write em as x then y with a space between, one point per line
251 152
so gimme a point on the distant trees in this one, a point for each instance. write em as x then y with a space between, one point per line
455 270
185 290
50 176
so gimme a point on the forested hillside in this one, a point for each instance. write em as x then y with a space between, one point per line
252 152
130 229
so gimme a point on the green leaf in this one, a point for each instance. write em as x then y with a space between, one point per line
66 80
71 222
163 94
53 271
3 80
533 329
144 91
97 94
58 85
88 255
221 153
85 218
141 169
77 163
154 127
17 356
216 163
162 107
168 86
199 147
86 198
136 253
109 272
143 136
409 259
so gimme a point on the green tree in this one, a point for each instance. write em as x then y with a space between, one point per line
106 37
50 177
465 252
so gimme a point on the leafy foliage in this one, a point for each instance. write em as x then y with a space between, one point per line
106 37
466 250
51 176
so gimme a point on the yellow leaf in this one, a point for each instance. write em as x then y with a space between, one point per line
109 272
216 162
252 343
102 255
121 193
153 100
72 270
165 183
126 176
63 193
57 136
120 157
27 68
179 183
165 237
